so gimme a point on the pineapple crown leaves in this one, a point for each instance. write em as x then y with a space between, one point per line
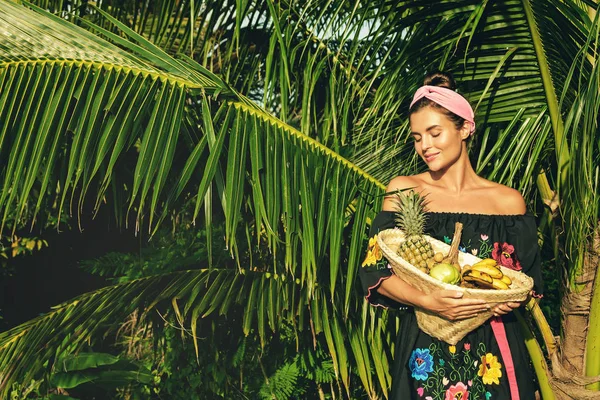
410 213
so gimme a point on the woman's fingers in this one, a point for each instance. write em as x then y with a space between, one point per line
466 316
470 303
458 295
505 308
473 308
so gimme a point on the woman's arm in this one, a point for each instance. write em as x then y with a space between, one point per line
445 303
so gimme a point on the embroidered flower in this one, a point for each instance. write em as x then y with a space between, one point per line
420 391
467 346
457 392
452 349
447 240
462 248
484 237
420 364
445 381
373 252
504 254
488 395
474 251
489 369
470 382
442 362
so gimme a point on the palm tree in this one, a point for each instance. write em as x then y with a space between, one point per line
113 109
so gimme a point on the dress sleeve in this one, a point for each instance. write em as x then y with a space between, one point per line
375 269
528 253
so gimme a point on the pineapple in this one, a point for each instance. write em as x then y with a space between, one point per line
410 217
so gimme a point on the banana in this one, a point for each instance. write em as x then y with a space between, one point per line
479 275
486 261
465 269
506 280
479 282
492 271
499 284
479 278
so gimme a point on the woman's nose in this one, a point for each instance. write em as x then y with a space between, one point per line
425 142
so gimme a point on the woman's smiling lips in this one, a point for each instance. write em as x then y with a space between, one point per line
430 157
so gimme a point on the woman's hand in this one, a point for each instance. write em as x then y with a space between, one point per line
449 304
505 308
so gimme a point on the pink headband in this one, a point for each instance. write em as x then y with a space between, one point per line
448 99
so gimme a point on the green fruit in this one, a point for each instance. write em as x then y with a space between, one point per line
445 273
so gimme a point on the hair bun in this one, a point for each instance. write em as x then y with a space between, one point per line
441 79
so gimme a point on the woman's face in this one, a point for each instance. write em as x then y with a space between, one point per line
437 140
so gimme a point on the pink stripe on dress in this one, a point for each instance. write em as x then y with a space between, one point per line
500 334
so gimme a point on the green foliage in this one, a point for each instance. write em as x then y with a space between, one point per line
282 384
229 364
98 369
551 302
106 115
22 245
181 248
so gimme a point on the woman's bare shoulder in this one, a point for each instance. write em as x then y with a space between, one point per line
403 182
508 199
414 182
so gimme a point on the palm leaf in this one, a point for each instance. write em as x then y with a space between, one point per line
141 111
131 105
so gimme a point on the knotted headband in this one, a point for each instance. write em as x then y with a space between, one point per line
448 99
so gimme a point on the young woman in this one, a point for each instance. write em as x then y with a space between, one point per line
491 362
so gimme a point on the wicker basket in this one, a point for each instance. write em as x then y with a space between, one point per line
449 331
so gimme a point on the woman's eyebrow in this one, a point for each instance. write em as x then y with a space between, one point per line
426 130
432 127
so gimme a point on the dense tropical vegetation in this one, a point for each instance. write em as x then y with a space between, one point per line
269 129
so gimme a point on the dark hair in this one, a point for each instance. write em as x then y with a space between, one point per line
441 79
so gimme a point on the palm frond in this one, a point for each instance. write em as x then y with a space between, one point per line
164 126
30 350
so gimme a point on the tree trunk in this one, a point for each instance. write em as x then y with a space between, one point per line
575 310
568 375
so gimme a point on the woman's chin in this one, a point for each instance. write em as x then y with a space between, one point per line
436 166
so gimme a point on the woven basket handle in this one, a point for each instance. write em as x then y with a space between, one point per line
452 257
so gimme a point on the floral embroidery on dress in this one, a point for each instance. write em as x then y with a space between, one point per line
373 252
455 373
504 254
374 255
485 248
489 369
420 364
457 392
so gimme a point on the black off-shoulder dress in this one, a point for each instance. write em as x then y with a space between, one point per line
429 369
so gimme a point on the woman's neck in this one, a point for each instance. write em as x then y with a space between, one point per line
457 177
